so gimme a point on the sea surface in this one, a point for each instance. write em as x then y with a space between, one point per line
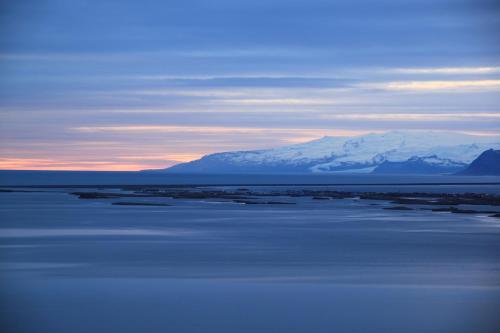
347 265
30 178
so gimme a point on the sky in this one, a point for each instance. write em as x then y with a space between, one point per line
131 85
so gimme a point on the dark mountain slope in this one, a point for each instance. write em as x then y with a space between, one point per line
488 163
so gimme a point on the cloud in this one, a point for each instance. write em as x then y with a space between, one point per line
209 130
415 116
278 101
172 157
430 86
447 70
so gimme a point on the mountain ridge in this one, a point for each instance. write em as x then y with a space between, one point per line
444 152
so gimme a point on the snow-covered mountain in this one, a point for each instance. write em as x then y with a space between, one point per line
444 152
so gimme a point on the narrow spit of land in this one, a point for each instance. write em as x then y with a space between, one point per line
275 195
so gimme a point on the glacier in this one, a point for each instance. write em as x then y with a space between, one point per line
442 152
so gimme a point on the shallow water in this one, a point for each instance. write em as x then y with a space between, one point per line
72 265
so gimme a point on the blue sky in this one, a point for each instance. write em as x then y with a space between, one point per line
127 85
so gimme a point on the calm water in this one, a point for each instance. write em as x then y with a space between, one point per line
118 178
71 265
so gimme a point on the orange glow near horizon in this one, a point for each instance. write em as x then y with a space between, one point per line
52 165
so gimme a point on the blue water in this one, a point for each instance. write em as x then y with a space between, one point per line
72 265
28 178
